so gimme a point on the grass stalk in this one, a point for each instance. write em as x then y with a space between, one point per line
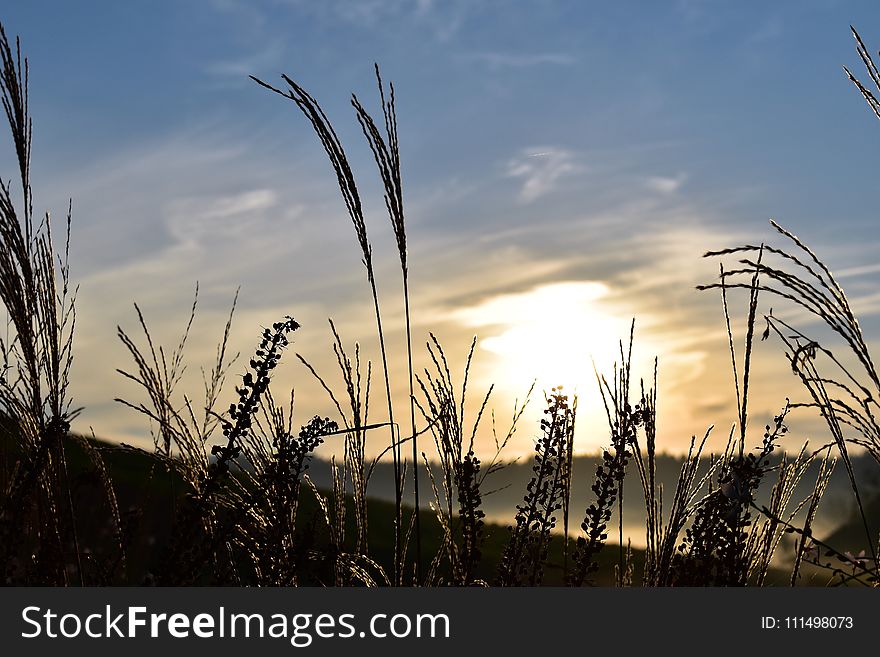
349 191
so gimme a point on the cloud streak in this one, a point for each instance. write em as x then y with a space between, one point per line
666 184
270 55
541 170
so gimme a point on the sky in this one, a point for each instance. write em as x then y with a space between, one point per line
565 166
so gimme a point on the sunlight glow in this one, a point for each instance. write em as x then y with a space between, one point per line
552 333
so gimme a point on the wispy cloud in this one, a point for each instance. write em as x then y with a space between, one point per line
267 56
441 20
666 184
541 170
852 272
200 220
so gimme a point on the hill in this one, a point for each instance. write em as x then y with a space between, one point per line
147 495
509 484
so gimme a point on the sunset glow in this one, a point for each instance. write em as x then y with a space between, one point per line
551 334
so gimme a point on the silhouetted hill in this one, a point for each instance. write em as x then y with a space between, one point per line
147 493
508 487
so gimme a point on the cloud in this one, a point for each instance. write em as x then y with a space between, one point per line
664 184
248 64
441 20
197 220
541 170
858 271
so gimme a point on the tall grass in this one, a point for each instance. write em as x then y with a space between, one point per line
872 71
355 420
38 537
351 479
841 380
386 152
842 387
462 475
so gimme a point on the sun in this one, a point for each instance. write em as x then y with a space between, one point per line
551 334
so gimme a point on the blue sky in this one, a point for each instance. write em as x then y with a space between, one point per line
544 144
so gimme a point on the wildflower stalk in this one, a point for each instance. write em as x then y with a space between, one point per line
623 421
522 561
199 533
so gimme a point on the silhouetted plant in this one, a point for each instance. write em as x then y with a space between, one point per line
459 506
279 461
386 153
212 493
38 538
663 536
873 73
803 541
355 420
253 385
387 158
847 569
523 559
714 551
845 396
721 548
623 421
595 524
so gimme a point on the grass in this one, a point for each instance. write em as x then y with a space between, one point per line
37 523
225 497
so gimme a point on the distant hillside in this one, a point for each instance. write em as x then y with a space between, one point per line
510 483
